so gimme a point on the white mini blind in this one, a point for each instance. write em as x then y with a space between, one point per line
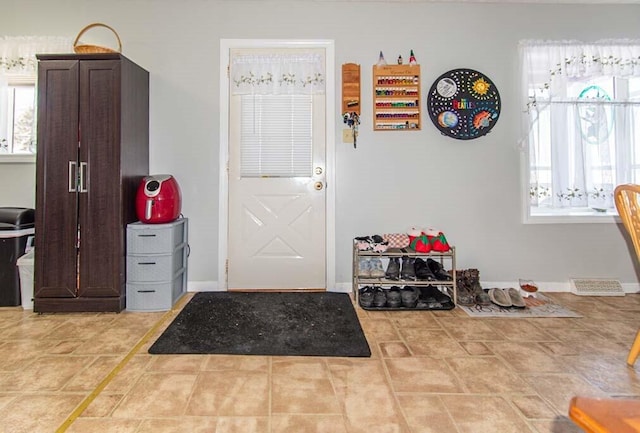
276 136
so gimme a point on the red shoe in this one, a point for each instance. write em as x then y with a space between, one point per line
439 243
413 234
421 244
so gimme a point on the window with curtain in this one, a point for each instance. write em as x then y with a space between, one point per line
582 123
18 69
277 91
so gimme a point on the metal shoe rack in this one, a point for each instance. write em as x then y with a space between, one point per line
447 259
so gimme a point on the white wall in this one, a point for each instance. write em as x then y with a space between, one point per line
17 185
393 180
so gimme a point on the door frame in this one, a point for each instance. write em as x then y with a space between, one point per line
223 197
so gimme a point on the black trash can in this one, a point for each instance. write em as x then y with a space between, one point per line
17 224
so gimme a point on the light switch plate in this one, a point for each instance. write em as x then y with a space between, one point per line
347 136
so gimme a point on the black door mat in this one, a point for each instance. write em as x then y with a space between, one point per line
278 324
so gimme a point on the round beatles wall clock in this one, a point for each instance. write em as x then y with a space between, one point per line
463 104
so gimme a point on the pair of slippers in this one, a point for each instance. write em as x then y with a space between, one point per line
507 297
374 243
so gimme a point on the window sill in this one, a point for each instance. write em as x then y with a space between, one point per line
570 216
18 158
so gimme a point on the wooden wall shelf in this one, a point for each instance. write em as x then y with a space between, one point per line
351 88
396 98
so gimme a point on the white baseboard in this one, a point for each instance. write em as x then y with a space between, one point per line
203 286
213 286
544 286
553 286
342 288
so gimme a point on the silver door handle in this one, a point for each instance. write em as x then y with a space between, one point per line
83 166
73 180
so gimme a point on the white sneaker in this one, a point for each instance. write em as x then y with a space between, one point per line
377 271
364 268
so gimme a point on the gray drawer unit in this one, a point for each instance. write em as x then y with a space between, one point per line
155 296
156 238
156 265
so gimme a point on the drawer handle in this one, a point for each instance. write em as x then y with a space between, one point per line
146 263
146 236
146 291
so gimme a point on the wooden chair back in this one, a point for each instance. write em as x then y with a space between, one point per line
626 198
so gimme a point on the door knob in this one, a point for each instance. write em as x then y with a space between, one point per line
318 186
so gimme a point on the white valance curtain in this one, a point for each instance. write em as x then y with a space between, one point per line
548 65
299 73
18 53
576 142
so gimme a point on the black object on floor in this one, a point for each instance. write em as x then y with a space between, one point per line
279 324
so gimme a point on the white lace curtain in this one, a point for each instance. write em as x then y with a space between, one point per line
18 53
577 161
299 73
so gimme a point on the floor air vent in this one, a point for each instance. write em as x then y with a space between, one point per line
596 287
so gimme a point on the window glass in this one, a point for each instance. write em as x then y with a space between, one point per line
583 126
18 71
17 118
23 119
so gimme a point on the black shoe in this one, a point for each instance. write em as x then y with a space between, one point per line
366 296
431 293
423 272
393 269
394 298
379 297
409 296
438 271
408 271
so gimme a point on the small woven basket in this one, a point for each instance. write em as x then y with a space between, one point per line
90 49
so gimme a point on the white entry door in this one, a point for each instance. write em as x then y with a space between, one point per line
277 188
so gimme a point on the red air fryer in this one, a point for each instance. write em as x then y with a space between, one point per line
158 199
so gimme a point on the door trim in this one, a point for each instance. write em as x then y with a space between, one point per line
223 223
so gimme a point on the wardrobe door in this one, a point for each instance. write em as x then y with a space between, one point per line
56 197
100 216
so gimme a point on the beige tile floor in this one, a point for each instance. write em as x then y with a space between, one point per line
429 372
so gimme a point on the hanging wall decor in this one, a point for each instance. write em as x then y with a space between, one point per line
463 104
350 101
351 88
396 98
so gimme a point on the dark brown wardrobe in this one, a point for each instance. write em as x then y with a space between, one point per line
93 150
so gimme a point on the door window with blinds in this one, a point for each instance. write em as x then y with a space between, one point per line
276 136
276 91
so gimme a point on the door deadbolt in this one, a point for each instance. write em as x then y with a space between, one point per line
318 170
318 186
